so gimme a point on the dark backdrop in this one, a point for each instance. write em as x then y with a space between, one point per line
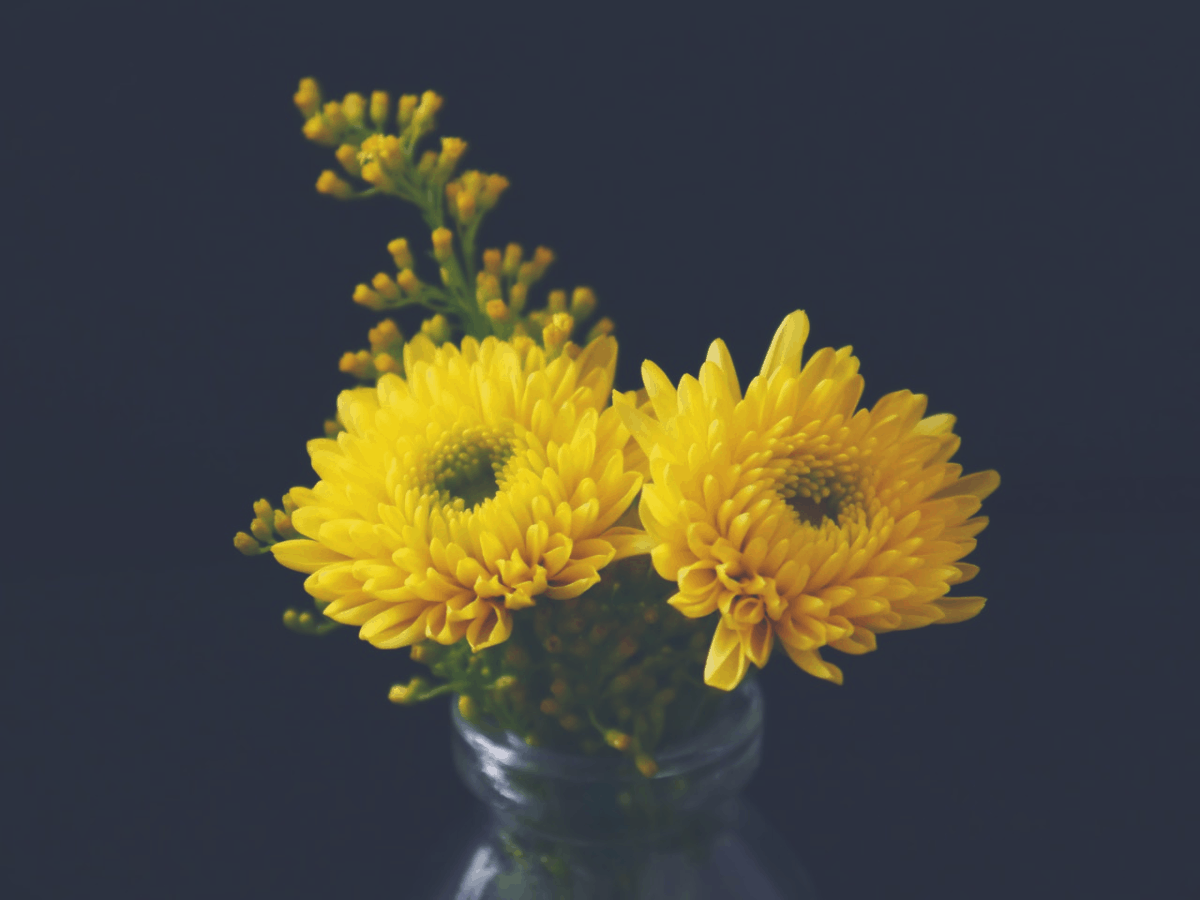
997 210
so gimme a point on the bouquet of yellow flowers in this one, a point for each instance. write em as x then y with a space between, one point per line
589 569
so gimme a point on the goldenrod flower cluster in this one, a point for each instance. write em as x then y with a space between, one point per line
588 568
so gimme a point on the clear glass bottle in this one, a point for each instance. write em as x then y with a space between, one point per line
573 827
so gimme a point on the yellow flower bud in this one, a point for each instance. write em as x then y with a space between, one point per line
466 707
405 108
617 739
364 296
334 115
406 693
492 262
400 253
465 205
601 328
487 287
583 302
492 189
558 332
347 155
427 164
246 544
556 302
354 108
262 531
436 328
516 297
445 275
512 259
318 130
329 183
383 283
497 310
422 118
408 282
332 428
442 244
504 682
356 364
452 151
283 525
384 335
372 173
380 104
308 97
262 509
289 505
646 765
385 362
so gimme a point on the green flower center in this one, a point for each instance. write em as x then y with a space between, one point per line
821 489
467 466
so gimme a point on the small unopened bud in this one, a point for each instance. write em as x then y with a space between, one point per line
418 652
646 765
262 509
246 544
465 205
512 259
583 302
556 302
600 329
384 335
405 108
549 706
617 739
354 108
316 129
347 155
408 281
467 708
443 241
329 183
516 296
364 296
406 693
308 97
380 104
262 531
385 362
493 262
497 310
452 151
382 282
493 187
283 525
436 328
400 253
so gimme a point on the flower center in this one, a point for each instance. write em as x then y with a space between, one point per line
466 465
819 489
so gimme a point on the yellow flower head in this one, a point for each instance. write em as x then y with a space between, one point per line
486 478
796 517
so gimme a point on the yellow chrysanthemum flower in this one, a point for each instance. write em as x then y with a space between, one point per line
488 477
797 518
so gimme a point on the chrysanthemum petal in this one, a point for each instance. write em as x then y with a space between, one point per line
787 344
305 555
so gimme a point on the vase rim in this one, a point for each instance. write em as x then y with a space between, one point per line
739 719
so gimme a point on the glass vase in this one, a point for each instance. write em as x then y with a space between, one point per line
564 826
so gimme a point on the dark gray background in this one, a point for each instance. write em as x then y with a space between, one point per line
997 210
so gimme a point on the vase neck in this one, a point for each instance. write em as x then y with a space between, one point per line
588 799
